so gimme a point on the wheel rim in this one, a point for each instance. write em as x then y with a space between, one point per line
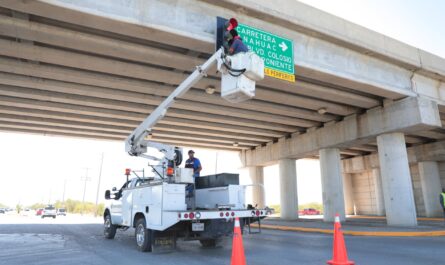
107 223
140 235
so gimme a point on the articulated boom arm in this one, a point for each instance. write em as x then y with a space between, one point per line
136 144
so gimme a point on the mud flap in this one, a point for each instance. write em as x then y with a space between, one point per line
163 242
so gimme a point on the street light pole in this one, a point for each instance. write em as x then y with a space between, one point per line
98 184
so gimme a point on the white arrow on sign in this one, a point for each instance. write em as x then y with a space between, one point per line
283 46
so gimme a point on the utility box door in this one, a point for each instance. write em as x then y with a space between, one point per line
155 210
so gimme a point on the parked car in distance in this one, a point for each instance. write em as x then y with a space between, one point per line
309 211
2 210
39 211
49 211
61 211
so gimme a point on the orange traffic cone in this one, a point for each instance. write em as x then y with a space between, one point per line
340 256
238 257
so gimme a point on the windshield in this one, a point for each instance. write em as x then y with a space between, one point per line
50 208
61 210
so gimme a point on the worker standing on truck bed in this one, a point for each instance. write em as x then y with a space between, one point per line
194 163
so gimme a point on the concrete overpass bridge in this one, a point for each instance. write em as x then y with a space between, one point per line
370 107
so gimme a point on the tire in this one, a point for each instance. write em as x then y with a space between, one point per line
143 236
54 217
109 228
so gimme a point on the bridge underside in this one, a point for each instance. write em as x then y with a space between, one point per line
64 72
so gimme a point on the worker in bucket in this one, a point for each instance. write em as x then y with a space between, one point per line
442 202
236 43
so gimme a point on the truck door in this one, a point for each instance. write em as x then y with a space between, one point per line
116 206
127 204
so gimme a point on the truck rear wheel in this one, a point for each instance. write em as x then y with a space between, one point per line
143 236
109 228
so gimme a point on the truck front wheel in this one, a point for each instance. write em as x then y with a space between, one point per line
109 228
143 236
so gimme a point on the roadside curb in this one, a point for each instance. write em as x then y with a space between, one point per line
355 233
432 219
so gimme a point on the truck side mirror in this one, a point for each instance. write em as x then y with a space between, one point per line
107 195
114 189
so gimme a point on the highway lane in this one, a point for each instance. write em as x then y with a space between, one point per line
78 240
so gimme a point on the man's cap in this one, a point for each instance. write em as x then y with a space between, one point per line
191 151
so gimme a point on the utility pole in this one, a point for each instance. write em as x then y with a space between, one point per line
85 179
216 162
64 189
50 195
98 185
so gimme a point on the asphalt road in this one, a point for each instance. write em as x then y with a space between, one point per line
78 240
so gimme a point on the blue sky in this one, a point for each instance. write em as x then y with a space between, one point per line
420 23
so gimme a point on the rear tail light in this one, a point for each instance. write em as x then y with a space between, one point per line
186 215
221 214
170 171
227 214
233 214
257 213
192 215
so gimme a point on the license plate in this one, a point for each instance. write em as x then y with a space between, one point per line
197 226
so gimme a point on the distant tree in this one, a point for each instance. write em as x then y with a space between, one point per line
59 204
75 206
18 207
36 206
100 209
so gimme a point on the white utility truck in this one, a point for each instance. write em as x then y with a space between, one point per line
170 205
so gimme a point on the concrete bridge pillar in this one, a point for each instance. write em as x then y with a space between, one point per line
288 189
348 193
258 194
378 192
431 187
396 180
332 184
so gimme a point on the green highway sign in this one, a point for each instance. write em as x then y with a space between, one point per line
277 52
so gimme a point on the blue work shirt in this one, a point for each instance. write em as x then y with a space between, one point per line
238 46
195 164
